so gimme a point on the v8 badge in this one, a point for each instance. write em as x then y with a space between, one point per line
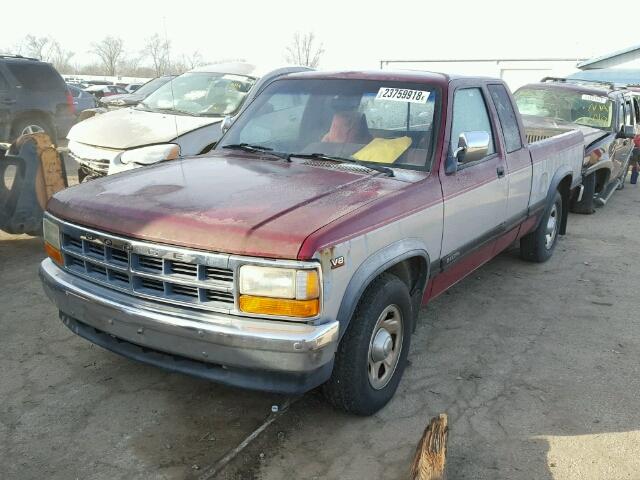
337 262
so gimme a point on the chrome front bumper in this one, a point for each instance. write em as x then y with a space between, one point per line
251 353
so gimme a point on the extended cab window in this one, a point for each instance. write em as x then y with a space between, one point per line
470 115
507 116
359 120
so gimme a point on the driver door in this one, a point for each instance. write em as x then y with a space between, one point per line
475 196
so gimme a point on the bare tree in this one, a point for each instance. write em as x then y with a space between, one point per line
60 57
110 50
193 60
36 47
304 50
158 49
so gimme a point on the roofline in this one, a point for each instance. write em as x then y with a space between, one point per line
449 60
607 59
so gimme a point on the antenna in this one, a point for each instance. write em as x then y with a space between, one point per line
173 97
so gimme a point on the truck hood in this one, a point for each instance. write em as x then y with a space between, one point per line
130 128
227 203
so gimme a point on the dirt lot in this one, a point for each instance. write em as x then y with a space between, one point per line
536 365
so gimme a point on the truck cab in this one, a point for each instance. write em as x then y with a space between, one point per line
299 251
606 114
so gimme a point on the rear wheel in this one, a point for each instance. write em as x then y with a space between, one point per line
372 355
538 246
25 126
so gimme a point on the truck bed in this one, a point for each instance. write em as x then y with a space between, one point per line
541 128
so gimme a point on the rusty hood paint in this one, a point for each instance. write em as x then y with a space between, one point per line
225 203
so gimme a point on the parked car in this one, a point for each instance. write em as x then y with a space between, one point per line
80 85
132 99
100 91
81 99
299 251
132 87
606 114
33 98
180 118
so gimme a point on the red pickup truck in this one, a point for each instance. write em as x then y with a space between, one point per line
299 251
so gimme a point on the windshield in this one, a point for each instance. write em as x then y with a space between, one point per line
200 94
360 120
151 86
584 109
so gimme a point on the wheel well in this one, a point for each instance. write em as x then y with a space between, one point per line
564 187
412 271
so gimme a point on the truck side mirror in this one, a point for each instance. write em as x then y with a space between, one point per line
226 123
627 131
472 146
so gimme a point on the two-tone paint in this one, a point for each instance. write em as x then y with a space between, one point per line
430 228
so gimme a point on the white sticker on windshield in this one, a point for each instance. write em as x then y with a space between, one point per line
402 95
594 98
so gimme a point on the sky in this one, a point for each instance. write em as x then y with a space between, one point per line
355 34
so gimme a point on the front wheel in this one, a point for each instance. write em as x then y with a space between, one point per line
538 246
373 352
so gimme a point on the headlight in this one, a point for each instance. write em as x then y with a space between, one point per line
279 291
151 155
51 236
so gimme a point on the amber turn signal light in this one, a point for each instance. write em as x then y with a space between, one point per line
279 306
53 253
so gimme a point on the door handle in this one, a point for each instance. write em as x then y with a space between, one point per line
8 101
500 171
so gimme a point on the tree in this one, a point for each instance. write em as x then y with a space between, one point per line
158 49
36 47
193 60
304 50
59 57
111 52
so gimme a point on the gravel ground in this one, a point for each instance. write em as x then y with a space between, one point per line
536 366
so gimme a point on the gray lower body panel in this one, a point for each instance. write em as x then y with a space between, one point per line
268 355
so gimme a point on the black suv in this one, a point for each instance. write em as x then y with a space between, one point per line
606 114
33 98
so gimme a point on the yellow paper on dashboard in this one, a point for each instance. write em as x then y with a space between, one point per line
383 150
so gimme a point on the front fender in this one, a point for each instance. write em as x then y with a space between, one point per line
374 265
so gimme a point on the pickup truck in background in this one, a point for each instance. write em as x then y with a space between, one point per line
606 114
299 251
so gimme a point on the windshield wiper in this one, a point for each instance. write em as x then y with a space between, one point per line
247 147
332 158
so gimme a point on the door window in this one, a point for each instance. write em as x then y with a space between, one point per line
469 115
507 116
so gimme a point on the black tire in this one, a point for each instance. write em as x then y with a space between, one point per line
23 123
350 388
538 246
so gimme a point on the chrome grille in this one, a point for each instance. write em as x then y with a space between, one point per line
158 272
